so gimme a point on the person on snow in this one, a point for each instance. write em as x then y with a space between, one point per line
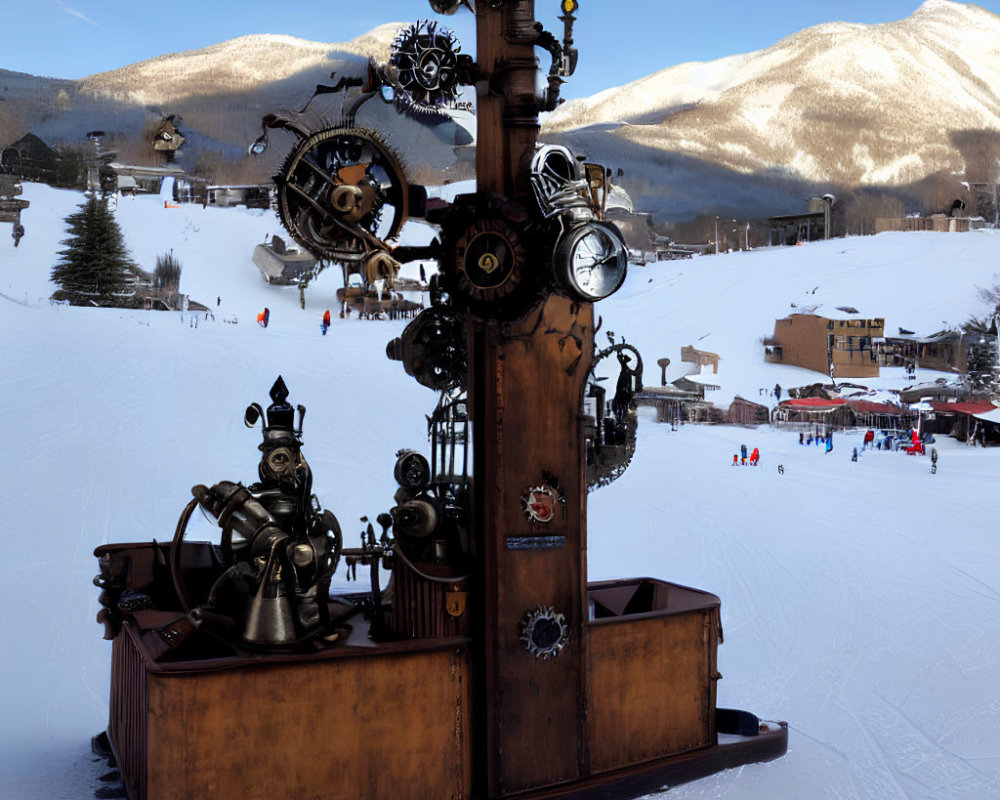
754 457
869 440
264 317
743 454
326 321
829 442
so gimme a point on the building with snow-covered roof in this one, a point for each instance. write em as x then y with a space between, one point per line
828 414
967 422
745 412
842 348
884 416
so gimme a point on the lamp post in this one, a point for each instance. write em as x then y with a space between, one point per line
717 236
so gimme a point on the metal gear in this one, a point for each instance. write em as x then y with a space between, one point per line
424 65
544 633
342 194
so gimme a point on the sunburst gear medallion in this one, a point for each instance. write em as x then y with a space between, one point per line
424 65
342 194
489 258
544 632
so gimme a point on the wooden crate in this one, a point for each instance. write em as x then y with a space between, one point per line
392 720
651 672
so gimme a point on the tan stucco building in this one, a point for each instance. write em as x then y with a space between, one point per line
817 343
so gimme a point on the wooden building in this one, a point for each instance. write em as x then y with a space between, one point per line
671 402
702 358
845 346
810 226
31 159
962 421
135 178
948 351
883 416
814 410
744 412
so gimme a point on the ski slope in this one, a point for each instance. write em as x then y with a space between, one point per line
860 600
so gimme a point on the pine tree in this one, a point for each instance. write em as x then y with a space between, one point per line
95 268
980 366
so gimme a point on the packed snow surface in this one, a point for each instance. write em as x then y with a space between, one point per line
860 600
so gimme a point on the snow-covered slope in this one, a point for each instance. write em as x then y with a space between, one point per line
847 103
860 600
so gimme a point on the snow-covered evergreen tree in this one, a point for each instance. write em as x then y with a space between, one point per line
980 367
95 268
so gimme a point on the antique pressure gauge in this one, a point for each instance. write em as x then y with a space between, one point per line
590 261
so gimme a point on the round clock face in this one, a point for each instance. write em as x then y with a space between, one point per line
489 258
591 261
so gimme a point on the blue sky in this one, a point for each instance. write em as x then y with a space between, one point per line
619 40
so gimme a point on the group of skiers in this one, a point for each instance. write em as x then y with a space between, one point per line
911 441
741 459
817 439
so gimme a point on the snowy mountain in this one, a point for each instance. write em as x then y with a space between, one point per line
860 600
220 93
835 105
254 61
911 106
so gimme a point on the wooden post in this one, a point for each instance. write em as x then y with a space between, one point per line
525 385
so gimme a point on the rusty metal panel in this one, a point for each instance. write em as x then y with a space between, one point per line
650 688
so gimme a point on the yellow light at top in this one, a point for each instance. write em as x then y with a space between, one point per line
569 6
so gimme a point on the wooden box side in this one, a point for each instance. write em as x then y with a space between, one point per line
650 688
359 728
128 713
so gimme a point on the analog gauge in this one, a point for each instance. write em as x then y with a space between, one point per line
591 260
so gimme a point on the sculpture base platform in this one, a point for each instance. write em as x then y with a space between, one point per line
360 720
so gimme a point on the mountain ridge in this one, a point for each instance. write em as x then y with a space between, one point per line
756 110
834 107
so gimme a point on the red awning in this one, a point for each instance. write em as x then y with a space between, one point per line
813 402
867 407
961 408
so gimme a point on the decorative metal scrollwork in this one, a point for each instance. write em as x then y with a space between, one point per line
544 632
611 441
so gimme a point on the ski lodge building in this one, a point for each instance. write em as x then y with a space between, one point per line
841 348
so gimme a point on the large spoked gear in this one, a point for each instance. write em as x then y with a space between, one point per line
424 65
342 194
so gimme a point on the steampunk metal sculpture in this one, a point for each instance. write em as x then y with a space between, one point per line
279 547
486 666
